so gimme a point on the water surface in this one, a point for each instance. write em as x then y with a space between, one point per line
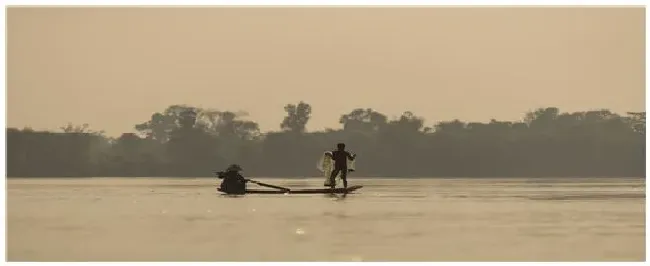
162 219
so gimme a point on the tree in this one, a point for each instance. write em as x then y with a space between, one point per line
408 122
366 120
450 127
542 118
187 119
229 125
84 128
637 120
160 126
296 118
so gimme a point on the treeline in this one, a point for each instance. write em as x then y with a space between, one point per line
189 141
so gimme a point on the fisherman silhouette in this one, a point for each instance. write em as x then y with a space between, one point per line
340 158
233 182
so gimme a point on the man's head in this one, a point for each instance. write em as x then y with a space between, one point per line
340 146
234 168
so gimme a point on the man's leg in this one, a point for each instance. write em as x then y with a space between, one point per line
333 177
241 188
344 176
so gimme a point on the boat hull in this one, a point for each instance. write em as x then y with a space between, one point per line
305 191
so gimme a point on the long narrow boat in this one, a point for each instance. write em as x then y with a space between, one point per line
305 191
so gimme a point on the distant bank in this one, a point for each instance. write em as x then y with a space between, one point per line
185 141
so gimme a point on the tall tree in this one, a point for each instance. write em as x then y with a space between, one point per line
296 118
366 120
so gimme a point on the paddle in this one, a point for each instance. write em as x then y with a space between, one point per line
258 182
267 185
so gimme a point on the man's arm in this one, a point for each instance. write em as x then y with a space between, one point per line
220 175
351 157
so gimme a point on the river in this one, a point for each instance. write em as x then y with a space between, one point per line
426 219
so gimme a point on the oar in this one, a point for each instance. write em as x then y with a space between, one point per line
259 183
267 185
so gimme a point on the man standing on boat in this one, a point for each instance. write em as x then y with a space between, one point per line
340 158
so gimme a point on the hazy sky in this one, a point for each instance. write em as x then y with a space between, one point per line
114 67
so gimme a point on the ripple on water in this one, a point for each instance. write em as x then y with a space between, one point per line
192 218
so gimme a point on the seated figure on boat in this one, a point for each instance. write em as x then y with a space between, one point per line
233 182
